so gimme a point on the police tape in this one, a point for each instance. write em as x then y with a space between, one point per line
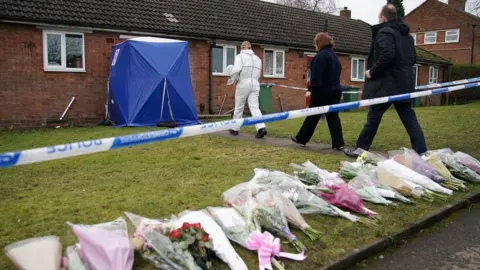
101 145
428 86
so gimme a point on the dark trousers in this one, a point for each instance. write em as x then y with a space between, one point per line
333 120
409 120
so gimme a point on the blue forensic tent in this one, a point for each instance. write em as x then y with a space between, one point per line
150 84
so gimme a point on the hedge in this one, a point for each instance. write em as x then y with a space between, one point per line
458 72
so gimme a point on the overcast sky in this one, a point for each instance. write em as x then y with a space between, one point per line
369 12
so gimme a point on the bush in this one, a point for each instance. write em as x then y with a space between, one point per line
459 72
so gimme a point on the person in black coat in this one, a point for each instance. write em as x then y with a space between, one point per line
324 89
390 72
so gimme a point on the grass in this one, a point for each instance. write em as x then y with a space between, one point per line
444 126
161 179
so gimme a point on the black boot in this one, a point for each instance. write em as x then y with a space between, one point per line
261 133
294 139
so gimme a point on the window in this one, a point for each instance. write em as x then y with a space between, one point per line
358 69
414 35
452 35
433 75
430 38
415 74
222 57
63 51
274 63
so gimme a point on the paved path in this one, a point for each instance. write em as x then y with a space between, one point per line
455 246
281 142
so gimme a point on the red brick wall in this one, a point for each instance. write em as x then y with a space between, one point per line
29 95
423 79
435 16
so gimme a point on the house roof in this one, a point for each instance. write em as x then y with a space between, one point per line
461 12
429 57
254 20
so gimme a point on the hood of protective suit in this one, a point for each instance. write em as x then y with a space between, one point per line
247 51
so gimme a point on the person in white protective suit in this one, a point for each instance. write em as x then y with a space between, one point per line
247 70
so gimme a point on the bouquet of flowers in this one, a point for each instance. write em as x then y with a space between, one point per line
365 175
305 201
270 216
345 197
149 239
105 246
290 211
221 245
240 197
73 259
31 254
451 181
455 166
412 176
468 161
192 237
370 158
367 190
414 161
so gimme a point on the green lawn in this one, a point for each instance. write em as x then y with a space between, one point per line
165 178
456 127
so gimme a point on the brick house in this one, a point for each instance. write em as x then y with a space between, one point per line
52 51
447 30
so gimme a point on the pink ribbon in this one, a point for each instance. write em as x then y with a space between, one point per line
267 246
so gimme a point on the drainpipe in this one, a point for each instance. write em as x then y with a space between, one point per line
473 44
210 82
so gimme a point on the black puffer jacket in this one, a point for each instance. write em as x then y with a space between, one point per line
391 60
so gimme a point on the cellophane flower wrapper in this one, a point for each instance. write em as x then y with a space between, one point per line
469 161
328 178
409 158
105 246
370 158
149 239
450 181
232 223
305 201
455 166
36 253
240 197
271 216
221 245
367 190
345 197
412 176
292 214
399 184
235 227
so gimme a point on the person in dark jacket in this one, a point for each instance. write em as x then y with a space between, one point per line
390 72
324 89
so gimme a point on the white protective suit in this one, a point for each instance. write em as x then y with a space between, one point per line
247 69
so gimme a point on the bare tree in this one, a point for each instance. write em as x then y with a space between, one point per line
327 6
473 6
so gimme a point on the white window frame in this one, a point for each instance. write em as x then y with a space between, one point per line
275 75
425 37
63 66
417 68
356 79
432 80
224 50
414 35
457 33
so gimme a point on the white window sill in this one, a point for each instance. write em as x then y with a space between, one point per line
64 70
220 75
274 77
357 80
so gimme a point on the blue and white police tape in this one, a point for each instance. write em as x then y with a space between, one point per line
423 87
93 146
